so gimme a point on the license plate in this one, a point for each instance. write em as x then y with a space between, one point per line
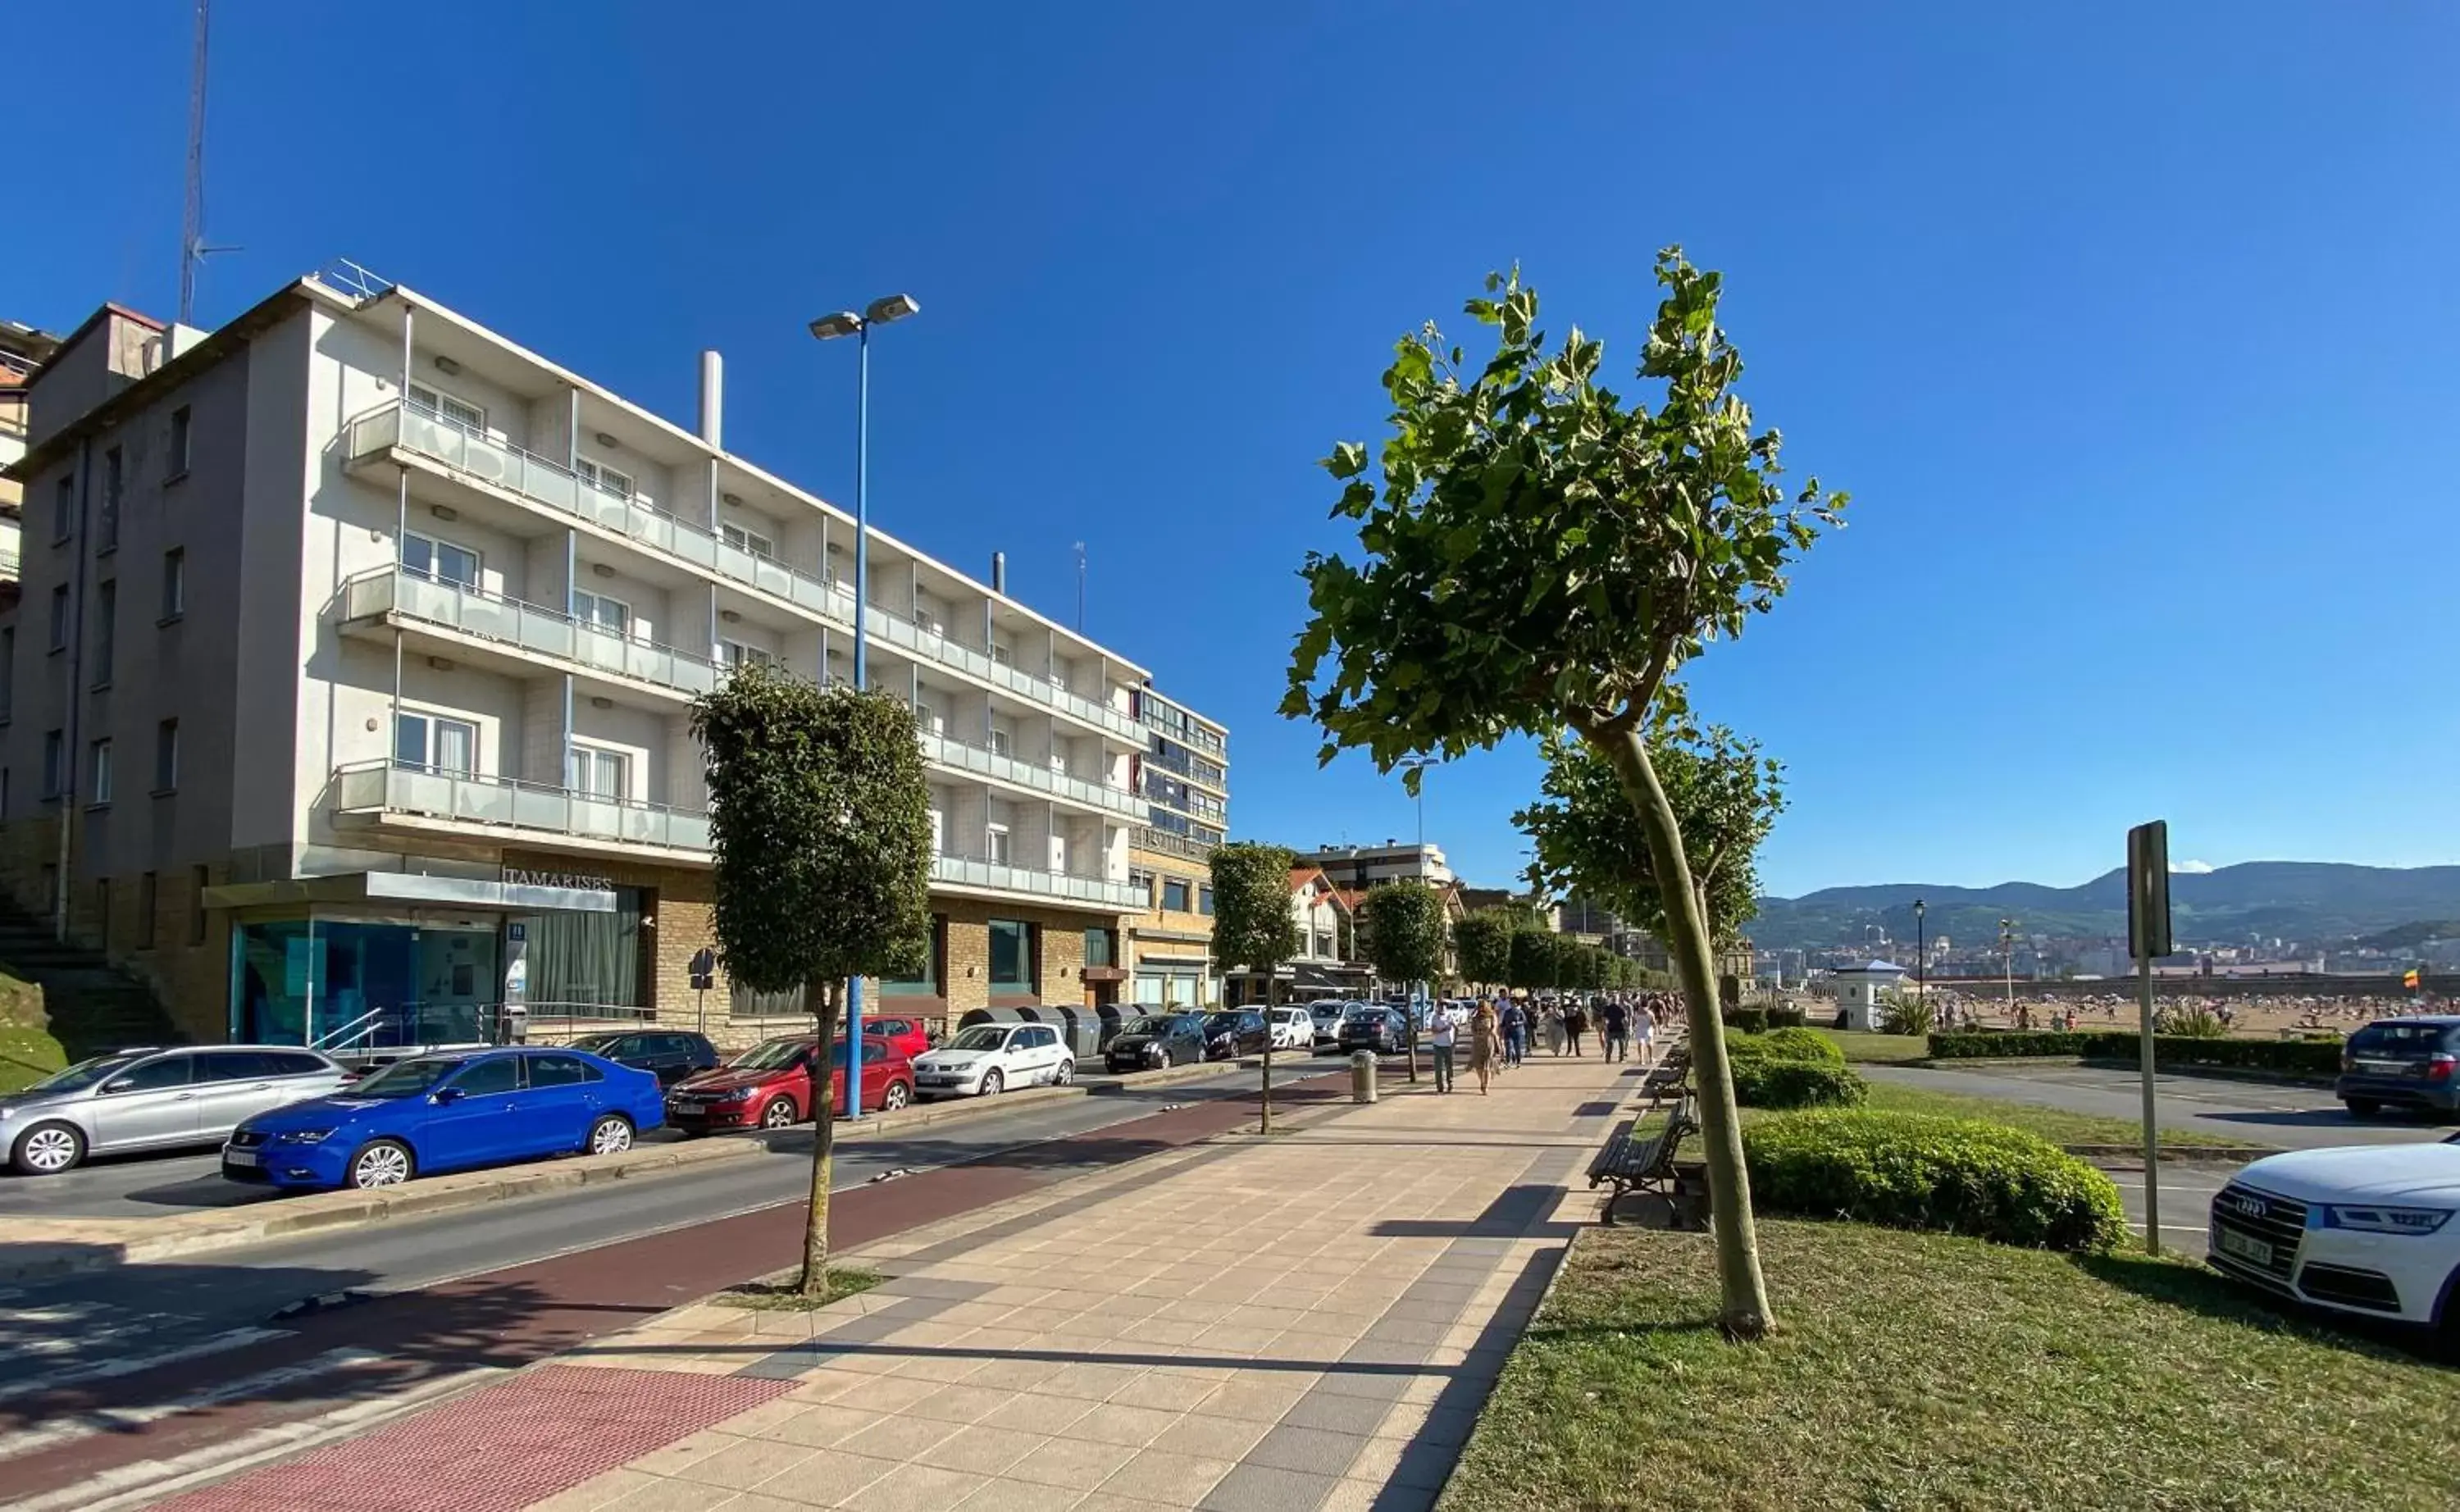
2245 1247
241 1158
2383 1068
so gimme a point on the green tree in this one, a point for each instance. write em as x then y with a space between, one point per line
1482 944
820 815
1407 938
1255 927
1542 555
1533 960
1725 797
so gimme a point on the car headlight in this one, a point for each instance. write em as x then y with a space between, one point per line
735 1095
2386 1220
304 1137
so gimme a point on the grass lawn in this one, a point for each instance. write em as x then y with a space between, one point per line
1861 1045
27 1056
2057 1125
1919 1370
778 1295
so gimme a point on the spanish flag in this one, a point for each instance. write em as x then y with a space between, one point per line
2409 979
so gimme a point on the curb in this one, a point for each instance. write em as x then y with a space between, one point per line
2206 1152
324 1212
2272 1078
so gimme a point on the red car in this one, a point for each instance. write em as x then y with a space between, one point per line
900 1034
770 1086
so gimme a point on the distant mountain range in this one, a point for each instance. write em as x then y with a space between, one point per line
2318 903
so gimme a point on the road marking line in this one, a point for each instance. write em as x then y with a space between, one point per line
104 1370
120 1420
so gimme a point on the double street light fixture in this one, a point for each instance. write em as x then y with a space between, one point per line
880 311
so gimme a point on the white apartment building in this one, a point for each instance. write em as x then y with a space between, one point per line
403 621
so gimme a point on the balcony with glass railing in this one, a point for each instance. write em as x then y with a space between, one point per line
996 767
533 628
963 871
413 429
382 789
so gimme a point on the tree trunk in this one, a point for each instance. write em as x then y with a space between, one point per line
1746 1312
821 998
1272 1000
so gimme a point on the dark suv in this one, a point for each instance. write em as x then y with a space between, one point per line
2414 1062
668 1055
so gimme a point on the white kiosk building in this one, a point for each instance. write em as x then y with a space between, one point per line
1858 989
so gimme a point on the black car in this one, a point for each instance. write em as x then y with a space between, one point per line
1232 1033
1157 1040
666 1054
2408 1062
1385 1030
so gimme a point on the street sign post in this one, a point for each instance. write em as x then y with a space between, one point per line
2148 936
704 976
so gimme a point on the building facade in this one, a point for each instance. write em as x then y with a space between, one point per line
1183 776
23 351
349 692
1362 867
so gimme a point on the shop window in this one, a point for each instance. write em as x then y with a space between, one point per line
1013 957
1101 947
934 967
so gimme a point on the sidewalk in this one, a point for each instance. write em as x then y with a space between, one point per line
1309 1322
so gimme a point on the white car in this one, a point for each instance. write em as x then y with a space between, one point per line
1326 1015
989 1059
1293 1029
2367 1230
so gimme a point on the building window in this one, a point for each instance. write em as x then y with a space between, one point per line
197 905
54 763
1013 956
176 465
106 618
1205 900
1323 946
99 768
1174 894
148 893
459 411
934 961
597 774
106 532
61 617
750 541
596 610
1101 947
607 478
63 509
1143 883
432 743
175 583
439 561
995 844
166 757
738 654
1002 741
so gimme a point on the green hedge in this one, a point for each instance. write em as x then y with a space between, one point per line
1802 1044
1748 1020
1770 1082
2296 1057
1906 1170
1785 1017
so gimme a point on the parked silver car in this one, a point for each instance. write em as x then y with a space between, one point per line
155 1099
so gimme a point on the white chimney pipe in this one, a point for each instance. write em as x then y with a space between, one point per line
712 399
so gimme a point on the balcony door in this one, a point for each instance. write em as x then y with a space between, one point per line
434 743
593 773
439 561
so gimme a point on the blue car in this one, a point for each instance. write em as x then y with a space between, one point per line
448 1112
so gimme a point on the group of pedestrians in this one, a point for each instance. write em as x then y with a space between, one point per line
1500 1031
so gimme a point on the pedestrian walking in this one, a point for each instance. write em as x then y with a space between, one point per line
1516 1031
1441 1035
1554 1027
1485 1045
1644 1028
1616 1020
1576 1023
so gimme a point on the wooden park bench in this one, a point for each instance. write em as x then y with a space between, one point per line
1665 1079
1630 1164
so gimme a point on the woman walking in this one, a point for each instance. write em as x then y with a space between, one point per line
1554 1027
1576 1023
1485 1045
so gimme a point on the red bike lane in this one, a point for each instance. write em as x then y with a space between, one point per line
524 1314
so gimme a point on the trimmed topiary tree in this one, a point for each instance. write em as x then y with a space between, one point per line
1482 946
1406 937
819 815
1254 927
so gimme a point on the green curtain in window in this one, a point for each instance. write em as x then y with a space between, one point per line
587 958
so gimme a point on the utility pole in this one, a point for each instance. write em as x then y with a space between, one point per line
192 219
1080 587
2007 964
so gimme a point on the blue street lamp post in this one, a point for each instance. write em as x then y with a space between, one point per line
828 327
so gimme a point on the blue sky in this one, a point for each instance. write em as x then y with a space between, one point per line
2131 329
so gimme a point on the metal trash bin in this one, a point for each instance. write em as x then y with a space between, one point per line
1362 1075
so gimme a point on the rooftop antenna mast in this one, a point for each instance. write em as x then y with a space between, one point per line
1080 587
193 250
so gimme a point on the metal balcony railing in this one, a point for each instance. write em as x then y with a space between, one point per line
414 428
988 763
530 627
394 787
963 871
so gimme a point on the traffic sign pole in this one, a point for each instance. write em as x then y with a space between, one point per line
2148 935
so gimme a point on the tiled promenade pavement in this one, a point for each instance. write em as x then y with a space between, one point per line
1309 1322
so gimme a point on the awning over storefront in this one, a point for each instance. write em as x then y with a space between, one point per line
416 888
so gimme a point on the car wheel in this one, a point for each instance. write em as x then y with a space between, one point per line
47 1149
2364 1107
611 1135
780 1113
896 1097
992 1082
1066 1073
384 1162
